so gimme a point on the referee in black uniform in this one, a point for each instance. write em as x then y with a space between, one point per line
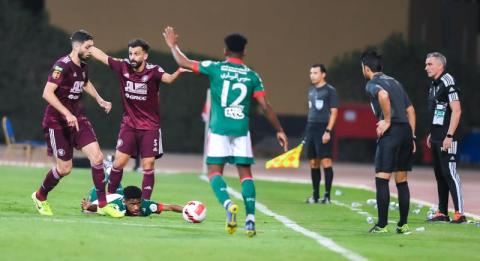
395 144
445 111
322 113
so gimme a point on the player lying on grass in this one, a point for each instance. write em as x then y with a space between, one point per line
129 201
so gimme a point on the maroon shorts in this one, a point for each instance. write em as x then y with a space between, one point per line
60 142
147 143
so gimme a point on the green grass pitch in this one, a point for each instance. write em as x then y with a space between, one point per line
71 235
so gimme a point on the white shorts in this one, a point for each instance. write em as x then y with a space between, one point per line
229 149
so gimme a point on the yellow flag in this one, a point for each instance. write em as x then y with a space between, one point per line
289 159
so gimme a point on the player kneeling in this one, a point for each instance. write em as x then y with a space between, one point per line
129 201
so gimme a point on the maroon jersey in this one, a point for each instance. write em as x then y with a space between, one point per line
71 80
140 96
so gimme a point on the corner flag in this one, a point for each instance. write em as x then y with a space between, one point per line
289 159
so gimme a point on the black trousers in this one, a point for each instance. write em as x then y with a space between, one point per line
448 180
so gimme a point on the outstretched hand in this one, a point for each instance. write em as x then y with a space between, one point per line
107 106
170 36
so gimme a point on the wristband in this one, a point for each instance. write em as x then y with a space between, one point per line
327 130
449 136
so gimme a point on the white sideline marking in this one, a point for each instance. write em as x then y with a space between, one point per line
324 241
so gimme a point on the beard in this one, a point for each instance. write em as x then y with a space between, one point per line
83 57
135 64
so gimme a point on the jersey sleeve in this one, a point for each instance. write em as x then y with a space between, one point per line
372 89
204 67
159 73
451 87
148 207
333 98
258 88
115 64
57 73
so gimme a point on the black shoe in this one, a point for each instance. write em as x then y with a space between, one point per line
458 218
439 217
325 200
311 200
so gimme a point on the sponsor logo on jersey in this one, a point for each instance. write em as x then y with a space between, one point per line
234 112
153 207
135 87
135 97
206 63
73 97
57 71
119 143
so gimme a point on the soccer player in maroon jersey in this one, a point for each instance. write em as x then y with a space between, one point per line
140 127
66 126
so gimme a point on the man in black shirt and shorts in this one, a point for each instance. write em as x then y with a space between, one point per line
445 110
395 144
322 113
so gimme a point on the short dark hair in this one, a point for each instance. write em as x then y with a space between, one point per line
132 192
235 43
139 43
373 60
81 36
322 67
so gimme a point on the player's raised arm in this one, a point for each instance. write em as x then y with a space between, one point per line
169 78
272 118
179 56
90 89
99 55
52 99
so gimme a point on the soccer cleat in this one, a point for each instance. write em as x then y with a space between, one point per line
405 229
110 210
231 224
439 217
378 230
250 228
458 218
325 200
311 200
42 206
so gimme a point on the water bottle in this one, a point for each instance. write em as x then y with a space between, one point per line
338 192
371 201
355 204
420 229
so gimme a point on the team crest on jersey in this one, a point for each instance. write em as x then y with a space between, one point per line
74 74
126 75
145 78
61 152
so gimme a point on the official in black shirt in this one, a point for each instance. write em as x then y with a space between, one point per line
395 145
445 110
322 113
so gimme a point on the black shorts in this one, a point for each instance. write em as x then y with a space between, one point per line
316 149
395 149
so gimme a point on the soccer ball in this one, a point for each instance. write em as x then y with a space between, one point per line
194 212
